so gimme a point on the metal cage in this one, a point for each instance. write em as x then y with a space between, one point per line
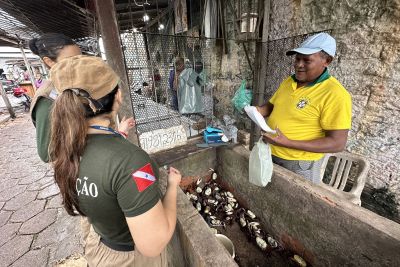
149 60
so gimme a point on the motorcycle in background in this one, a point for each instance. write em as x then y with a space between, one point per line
22 92
8 85
19 91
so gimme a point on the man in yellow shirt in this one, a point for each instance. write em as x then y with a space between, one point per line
311 110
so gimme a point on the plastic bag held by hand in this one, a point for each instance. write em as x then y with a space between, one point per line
255 116
260 164
242 97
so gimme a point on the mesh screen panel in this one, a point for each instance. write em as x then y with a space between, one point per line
149 60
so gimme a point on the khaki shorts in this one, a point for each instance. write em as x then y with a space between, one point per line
98 254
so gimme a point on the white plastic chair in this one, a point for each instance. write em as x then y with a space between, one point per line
340 174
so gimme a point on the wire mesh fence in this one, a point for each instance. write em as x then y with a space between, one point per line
149 60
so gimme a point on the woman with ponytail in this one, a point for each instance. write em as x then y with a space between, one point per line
103 176
51 48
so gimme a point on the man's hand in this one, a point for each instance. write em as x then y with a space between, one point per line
266 109
278 139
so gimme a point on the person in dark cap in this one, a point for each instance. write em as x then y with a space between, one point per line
311 110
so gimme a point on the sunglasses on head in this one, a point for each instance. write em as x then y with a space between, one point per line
92 102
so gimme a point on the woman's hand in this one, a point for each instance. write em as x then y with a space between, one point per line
126 124
174 177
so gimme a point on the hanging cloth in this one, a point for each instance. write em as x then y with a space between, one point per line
189 92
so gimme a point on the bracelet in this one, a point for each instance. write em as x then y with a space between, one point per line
123 134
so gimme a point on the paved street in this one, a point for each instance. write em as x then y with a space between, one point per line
34 228
15 103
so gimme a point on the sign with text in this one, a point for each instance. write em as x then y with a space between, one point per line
162 139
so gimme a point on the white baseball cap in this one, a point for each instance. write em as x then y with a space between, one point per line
316 43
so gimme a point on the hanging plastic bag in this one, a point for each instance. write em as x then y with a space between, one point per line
190 99
242 97
260 164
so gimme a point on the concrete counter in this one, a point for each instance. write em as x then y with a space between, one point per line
309 219
193 244
314 222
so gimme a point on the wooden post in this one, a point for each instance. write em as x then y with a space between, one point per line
261 70
8 104
28 67
106 15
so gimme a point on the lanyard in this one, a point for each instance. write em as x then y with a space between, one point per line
107 129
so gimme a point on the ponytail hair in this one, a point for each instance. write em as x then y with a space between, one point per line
67 143
69 129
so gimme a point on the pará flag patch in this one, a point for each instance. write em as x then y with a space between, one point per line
144 177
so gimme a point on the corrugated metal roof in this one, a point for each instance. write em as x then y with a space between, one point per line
22 20
130 12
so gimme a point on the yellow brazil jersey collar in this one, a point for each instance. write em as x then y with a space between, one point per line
324 76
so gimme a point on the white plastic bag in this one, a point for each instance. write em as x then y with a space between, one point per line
258 119
260 164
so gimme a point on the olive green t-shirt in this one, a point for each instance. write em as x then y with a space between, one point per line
41 120
116 180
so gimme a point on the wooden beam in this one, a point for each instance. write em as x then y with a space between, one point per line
136 13
132 10
261 70
156 19
123 6
107 18
7 101
11 41
28 67
128 26
129 21
138 21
